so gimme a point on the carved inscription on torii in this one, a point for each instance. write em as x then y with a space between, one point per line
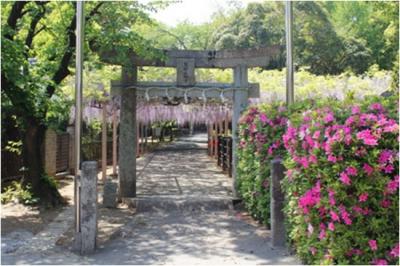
185 76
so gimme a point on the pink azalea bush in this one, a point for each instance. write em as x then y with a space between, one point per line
342 181
260 131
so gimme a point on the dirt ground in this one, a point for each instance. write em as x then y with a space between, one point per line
16 216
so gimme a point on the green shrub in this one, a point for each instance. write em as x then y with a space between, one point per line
17 192
341 184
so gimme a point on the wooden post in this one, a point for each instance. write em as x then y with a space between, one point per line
145 137
104 144
226 126
142 137
114 143
239 104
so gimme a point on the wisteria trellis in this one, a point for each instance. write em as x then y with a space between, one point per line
149 112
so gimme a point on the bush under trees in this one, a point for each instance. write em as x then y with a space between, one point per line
341 184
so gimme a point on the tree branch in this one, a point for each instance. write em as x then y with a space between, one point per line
15 14
182 43
63 71
35 20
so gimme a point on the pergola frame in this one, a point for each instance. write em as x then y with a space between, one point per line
185 62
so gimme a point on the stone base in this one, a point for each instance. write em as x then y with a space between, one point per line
131 202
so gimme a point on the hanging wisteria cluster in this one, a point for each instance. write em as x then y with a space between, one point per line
149 112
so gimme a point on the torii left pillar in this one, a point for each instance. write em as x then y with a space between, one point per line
127 135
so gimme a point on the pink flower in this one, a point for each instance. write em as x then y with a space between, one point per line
351 171
252 128
355 110
379 262
373 245
376 107
386 203
367 137
304 162
316 134
322 234
334 216
313 250
345 215
331 226
310 229
395 252
385 156
312 158
345 178
368 169
392 185
357 209
363 197
263 118
332 158
388 169
331 193
354 251
329 118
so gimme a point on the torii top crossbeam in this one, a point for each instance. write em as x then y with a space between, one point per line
256 57
186 61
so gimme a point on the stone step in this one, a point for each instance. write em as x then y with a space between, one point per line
159 203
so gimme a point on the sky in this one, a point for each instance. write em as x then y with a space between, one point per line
194 11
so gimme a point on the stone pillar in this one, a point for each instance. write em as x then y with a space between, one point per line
104 144
85 237
127 136
138 140
114 148
50 152
277 201
71 150
239 104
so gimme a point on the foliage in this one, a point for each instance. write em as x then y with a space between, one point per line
260 129
38 46
19 193
329 37
341 185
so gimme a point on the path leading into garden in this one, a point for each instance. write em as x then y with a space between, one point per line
184 216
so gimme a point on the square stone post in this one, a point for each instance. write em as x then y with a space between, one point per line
86 235
127 135
50 152
104 143
239 104
277 200
114 143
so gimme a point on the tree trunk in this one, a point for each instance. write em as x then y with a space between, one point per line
33 154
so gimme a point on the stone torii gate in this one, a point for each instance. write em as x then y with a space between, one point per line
185 87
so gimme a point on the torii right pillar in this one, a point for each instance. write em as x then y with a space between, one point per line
240 100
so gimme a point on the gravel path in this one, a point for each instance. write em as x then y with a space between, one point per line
186 218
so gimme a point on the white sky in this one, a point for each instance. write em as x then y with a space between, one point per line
194 11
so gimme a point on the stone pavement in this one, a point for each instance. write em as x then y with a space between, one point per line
184 216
